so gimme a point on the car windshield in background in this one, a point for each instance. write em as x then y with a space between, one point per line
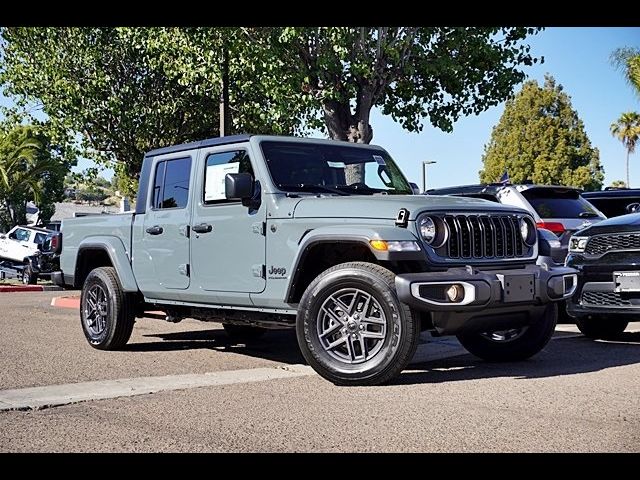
318 168
550 203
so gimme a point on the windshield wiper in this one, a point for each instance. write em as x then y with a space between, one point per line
588 215
301 187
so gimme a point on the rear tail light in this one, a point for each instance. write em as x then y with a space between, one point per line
555 227
56 243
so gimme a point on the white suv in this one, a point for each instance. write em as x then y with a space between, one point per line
21 242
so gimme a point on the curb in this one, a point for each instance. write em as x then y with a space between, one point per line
66 302
28 288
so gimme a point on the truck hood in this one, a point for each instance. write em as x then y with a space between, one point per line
621 224
388 206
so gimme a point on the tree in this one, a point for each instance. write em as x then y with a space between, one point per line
127 90
541 138
29 171
339 74
627 59
627 130
618 184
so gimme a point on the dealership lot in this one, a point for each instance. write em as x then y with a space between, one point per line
576 395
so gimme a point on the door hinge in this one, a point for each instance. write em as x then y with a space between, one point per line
259 271
183 269
259 227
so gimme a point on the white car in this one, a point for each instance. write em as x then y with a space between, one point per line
21 242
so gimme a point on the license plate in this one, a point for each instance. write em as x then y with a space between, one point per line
627 281
518 288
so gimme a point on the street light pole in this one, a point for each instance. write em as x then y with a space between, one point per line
424 172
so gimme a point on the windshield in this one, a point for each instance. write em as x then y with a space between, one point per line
551 203
312 167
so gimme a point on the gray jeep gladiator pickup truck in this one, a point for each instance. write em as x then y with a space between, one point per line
259 232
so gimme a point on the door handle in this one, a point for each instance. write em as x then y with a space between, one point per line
155 230
202 228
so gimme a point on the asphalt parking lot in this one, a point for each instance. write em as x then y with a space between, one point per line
212 395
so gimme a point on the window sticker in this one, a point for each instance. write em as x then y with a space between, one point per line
215 180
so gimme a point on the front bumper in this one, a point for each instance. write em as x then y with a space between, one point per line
493 299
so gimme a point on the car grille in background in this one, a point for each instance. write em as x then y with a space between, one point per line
605 243
483 237
604 299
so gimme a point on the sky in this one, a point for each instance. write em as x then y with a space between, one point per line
578 58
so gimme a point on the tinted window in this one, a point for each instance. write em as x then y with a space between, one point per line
40 238
217 167
171 184
613 207
551 203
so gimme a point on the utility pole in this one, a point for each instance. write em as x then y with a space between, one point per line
424 172
225 115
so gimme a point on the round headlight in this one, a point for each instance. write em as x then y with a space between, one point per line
428 229
527 231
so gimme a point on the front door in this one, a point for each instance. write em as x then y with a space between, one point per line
165 241
228 252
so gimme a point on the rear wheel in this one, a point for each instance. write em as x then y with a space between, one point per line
29 277
243 332
107 313
351 327
601 326
513 344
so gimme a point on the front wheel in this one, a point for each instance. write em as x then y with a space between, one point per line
601 326
513 344
107 313
351 327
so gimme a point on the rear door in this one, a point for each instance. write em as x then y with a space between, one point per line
165 240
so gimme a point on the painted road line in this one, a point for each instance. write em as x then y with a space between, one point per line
35 398
66 302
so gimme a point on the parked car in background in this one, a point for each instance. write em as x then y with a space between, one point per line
614 202
608 294
27 252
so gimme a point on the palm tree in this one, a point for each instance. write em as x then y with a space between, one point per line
627 130
627 59
22 169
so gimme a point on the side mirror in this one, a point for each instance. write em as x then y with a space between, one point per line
633 207
415 188
238 186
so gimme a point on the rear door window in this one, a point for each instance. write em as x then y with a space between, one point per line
550 203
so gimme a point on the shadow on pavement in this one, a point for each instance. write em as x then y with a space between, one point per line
567 356
560 357
275 345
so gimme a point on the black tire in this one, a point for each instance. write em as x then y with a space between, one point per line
243 332
529 340
29 277
599 326
119 310
398 335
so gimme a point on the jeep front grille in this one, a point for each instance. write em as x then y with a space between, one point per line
474 236
601 244
604 299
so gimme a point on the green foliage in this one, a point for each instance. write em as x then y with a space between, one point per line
627 59
618 184
627 130
540 138
30 170
336 75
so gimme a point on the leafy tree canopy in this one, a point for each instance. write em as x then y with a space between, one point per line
541 138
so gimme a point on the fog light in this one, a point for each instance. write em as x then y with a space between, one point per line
455 293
